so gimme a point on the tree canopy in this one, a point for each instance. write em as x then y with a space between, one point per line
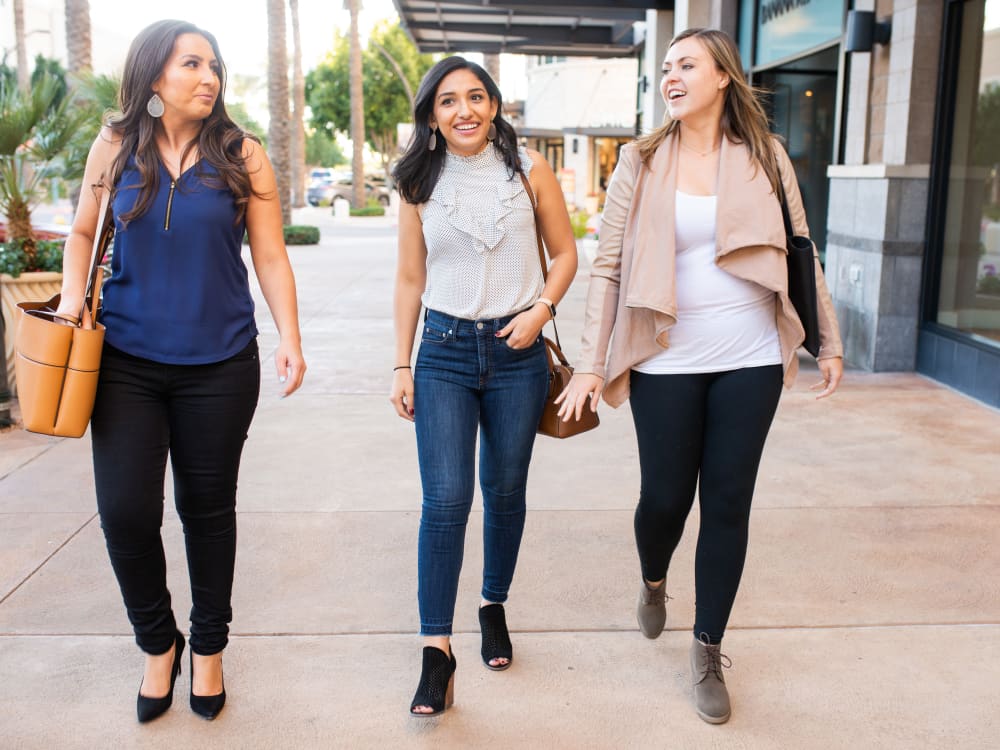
386 101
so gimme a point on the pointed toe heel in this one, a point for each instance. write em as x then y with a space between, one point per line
147 708
206 706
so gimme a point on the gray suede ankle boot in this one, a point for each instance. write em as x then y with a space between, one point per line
652 609
711 699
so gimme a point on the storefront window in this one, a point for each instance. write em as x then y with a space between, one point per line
969 294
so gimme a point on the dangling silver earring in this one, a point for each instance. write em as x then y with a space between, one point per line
491 134
432 142
155 106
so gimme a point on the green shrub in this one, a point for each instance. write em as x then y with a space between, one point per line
375 210
578 221
989 285
14 258
301 235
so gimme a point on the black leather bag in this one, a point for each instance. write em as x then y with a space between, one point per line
802 280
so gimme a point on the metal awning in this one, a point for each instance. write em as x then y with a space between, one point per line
594 28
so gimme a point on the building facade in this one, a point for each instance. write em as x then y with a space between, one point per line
890 110
579 111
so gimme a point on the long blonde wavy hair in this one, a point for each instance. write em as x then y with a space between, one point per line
743 118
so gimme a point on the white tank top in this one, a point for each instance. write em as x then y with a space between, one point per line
723 322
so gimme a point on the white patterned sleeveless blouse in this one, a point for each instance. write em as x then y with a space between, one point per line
479 228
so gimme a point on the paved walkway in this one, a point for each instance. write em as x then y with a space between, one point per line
869 606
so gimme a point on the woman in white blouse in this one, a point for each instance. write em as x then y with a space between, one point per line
468 254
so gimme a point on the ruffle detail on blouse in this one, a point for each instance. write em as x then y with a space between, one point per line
481 215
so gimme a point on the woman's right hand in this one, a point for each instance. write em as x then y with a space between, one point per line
581 387
401 395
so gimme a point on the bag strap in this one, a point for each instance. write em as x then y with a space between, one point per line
102 238
784 206
538 242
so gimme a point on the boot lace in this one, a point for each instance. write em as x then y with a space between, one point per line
714 660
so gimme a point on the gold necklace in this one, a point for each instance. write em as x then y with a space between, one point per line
701 153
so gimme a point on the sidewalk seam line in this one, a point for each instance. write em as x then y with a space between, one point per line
54 552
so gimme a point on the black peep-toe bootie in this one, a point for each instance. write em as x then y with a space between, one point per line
496 638
437 682
147 708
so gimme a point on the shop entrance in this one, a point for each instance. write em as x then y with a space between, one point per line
802 106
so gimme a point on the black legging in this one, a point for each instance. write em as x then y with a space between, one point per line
706 430
200 414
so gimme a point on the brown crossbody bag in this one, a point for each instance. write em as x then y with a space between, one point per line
560 370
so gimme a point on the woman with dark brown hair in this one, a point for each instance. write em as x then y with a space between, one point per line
180 372
691 275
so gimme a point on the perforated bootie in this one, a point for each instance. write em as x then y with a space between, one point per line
711 699
652 609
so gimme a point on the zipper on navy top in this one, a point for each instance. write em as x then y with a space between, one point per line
170 203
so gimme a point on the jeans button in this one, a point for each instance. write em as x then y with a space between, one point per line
479 326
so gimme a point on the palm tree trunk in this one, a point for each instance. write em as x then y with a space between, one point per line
23 74
78 46
357 109
278 131
298 113
491 63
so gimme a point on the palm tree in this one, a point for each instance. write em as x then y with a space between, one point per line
277 102
78 46
357 108
35 129
23 74
298 113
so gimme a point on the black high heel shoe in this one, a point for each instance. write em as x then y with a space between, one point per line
206 706
496 638
147 708
437 683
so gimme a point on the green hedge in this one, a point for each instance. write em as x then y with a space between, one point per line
301 235
14 260
368 211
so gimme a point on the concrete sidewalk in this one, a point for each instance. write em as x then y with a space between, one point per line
869 605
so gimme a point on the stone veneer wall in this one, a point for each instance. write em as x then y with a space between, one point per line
874 261
877 214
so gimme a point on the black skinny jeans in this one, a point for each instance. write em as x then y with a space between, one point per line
705 430
200 414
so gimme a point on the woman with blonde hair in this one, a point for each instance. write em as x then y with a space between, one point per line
691 276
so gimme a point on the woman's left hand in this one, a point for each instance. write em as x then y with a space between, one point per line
291 366
832 370
523 329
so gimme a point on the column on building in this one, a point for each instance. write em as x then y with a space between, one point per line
875 242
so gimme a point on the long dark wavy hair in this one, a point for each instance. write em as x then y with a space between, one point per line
417 172
743 117
220 141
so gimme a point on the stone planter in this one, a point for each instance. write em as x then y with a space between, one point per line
32 286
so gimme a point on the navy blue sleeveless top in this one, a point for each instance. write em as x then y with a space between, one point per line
178 292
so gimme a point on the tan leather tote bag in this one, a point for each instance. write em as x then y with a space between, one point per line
58 360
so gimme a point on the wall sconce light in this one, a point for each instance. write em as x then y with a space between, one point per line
864 32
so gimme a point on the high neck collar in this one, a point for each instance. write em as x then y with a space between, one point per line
488 151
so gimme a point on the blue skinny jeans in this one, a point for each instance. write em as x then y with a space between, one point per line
466 380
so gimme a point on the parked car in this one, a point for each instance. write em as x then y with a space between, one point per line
326 192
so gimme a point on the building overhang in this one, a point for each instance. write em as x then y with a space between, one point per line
602 132
592 28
